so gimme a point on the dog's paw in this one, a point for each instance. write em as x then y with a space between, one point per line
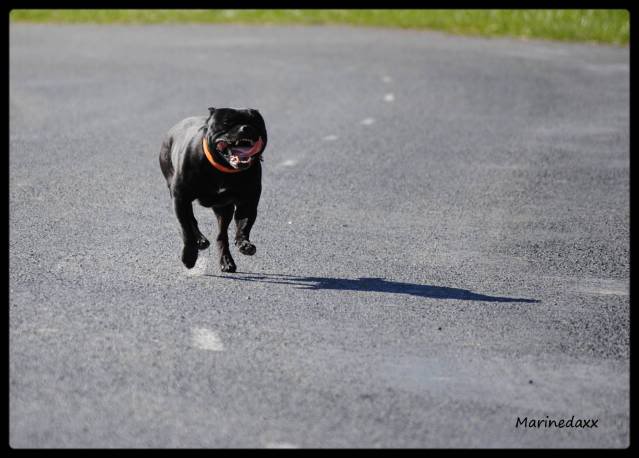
189 255
227 264
247 248
202 243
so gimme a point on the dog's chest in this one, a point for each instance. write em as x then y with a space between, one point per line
218 195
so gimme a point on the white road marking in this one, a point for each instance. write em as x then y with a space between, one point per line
330 137
606 292
603 286
387 79
389 97
367 121
280 445
608 68
289 162
206 340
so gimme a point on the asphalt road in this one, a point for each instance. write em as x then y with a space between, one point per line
442 241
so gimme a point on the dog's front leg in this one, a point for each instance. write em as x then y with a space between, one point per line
224 217
191 235
245 215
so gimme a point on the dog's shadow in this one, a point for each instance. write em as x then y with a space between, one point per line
370 284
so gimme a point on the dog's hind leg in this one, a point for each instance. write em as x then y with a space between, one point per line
224 217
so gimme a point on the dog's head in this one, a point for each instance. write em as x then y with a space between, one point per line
237 136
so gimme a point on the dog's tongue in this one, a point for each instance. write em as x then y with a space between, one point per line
244 152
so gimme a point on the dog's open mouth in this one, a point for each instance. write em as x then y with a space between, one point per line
241 151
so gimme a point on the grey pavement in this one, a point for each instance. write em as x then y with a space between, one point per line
442 241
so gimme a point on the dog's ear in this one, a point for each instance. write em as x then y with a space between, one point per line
211 111
256 114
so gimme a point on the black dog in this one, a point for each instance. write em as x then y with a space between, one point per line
216 160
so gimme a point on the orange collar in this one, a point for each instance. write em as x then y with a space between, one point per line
217 165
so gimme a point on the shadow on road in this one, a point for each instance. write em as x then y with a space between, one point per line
373 284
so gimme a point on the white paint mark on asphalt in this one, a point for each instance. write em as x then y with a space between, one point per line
290 222
367 121
289 162
608 68
390 97
387 79
280 445
606 292
330 138
206 340
613 292
603 286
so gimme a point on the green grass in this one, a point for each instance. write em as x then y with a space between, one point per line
599 26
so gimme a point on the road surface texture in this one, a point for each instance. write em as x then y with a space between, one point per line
442 241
